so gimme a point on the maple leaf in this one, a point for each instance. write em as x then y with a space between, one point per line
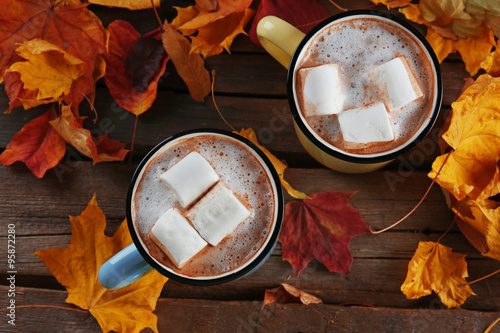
302 14
37 144
473 48
492 63
71 27
204 17
129 4
134 95
48 69
434 267
128 309
278 165
208 5
189 66
98 149
286 294
474 136
212 38
321 227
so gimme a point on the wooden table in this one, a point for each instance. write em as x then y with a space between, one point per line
250 91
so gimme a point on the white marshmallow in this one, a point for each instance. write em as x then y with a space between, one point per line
366 124
322 90
189 178
397 83
176 237
217 214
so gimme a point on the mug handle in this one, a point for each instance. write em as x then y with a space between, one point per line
279 38
123 268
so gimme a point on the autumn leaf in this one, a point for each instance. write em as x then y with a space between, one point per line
189 66
278 165
474 136
302 14
48 69
286 294
208 5
129 309
450 28
434 267
129 4
98 149
135 89
37 144
204 17
392 3
214 37
321 227
70 27
492 63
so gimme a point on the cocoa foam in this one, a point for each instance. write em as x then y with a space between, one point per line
241 171
357 45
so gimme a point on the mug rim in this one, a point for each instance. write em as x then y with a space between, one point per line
338 153
256 260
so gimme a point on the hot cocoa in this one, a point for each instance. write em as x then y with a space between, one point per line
378 63
240 173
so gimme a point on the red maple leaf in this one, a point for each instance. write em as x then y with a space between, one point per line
321 227
302 14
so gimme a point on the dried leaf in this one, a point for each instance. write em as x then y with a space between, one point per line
286 294
486 11
492 63
69 26
213 38
392 3
71 130
434 267
189 66
134 95
321 227
48 69
129 309
208 5
37 144
302 14
474 135
129 4
473 48
280 167
204 17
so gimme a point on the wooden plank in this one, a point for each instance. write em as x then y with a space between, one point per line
41 206
189 315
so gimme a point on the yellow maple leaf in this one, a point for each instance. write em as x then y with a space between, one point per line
474 46
434 267
392 3
492 62
129 309
213 38
48 69
280 167
474 136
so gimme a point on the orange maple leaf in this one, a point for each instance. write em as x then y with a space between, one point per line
474 136
189 66
37 144
289 294
99 149
129 4
434 267
321 227
211 38
280 167
129 309
134 97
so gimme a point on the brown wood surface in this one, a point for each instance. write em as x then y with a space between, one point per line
250 92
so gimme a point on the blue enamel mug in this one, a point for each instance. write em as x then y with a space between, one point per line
136 260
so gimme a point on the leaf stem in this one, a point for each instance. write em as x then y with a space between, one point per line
133 141
484 277
417 205
338 7
46 306
447 231
215 104
492 324
157 16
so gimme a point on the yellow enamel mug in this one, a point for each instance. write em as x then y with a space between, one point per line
287 45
